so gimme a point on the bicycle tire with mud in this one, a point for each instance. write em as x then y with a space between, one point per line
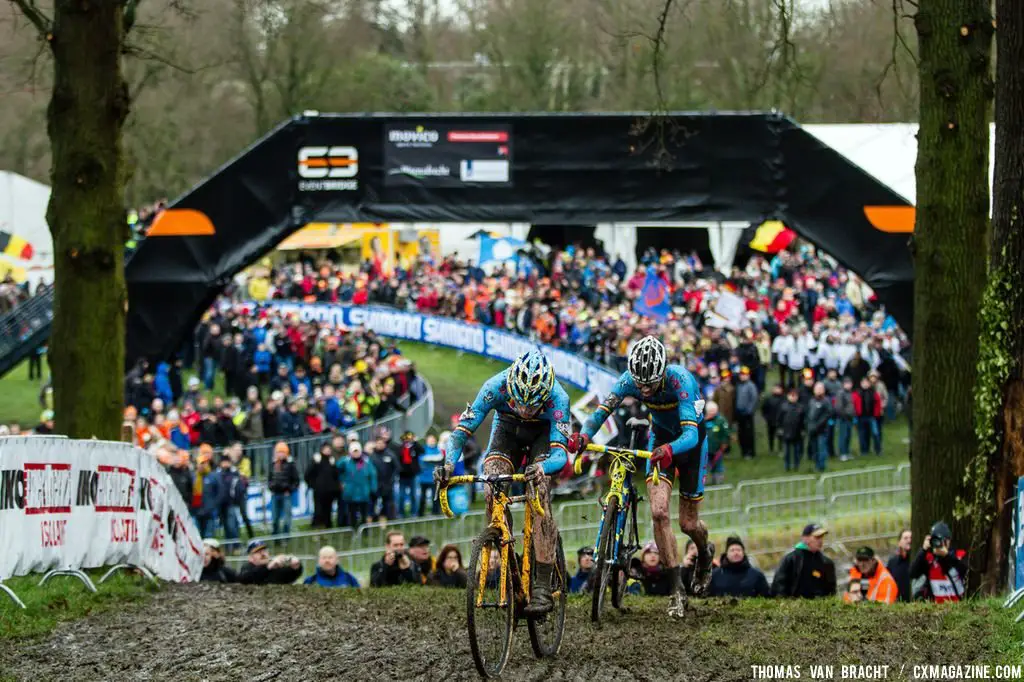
603 565
546 632
488 668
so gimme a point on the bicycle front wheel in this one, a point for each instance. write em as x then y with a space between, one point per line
546 631
603 560
489 618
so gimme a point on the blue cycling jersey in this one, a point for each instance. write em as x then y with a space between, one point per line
676 408
494 396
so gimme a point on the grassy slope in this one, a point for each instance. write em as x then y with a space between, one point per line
63 599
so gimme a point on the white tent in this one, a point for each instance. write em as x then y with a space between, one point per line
23 213
887 151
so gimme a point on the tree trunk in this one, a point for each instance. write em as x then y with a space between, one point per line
949 243
1001 381
87 217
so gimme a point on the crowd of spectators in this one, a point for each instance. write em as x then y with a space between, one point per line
806 316
937 573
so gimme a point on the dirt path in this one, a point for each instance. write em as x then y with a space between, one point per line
205 632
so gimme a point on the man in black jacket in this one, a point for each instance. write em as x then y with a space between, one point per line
282 480
819 414
792 419
395 567
735 577
899 565
770 411
262 570
746 408
806 572
322 479
385 460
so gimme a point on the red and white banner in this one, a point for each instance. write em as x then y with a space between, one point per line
87 503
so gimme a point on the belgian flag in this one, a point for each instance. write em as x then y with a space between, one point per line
770 236
14 246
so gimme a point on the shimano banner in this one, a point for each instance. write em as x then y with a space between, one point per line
443 331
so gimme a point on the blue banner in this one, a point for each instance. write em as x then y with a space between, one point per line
498 250
653 300
1019 534
443 331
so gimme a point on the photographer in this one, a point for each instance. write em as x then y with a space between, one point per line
939 572
395 567
262 570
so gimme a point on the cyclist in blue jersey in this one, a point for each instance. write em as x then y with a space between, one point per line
530 432
679 444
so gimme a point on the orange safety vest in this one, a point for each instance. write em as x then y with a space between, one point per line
881 586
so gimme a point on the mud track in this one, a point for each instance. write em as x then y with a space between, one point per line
213 632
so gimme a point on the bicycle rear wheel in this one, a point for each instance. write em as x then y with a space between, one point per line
546 631
490 623
603 560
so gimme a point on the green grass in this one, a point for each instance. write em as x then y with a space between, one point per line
63 599
19 397
456 377
782 632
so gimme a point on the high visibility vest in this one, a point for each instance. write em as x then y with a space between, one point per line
881 586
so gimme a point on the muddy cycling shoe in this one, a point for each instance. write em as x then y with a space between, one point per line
702 573
677 605
540 591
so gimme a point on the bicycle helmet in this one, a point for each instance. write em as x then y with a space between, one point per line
530 379
647 361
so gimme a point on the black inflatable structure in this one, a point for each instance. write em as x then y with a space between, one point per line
572 169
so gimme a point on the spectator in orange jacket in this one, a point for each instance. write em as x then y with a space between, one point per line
870 580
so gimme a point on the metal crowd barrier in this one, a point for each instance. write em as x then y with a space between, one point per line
751 510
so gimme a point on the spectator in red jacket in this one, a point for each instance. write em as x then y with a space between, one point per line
867 405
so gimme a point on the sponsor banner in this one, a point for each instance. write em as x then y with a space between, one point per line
328 168
85 504
447 155
443 331
258 503
1019 548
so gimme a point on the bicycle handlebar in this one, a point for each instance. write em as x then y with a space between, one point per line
610 450
489 479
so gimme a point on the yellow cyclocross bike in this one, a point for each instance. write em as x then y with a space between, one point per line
617 536
498 588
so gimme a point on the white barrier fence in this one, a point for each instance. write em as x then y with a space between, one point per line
67 505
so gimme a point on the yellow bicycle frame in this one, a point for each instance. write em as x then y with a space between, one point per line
621 464
499 503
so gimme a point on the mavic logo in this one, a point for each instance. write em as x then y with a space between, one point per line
328 168
418 136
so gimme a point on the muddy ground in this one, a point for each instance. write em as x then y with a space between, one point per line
213 632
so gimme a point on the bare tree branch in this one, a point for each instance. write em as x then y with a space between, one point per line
898 41
659 43
42 22
144 53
